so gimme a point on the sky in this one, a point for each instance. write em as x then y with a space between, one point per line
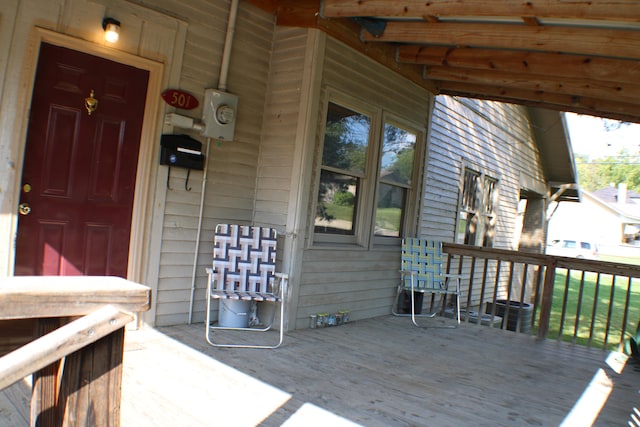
589 136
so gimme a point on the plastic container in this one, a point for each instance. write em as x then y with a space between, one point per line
234 313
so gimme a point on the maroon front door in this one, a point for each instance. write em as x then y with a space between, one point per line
79 169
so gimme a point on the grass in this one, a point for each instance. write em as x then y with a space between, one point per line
593 307
387 218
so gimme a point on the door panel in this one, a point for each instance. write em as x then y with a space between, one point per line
80 167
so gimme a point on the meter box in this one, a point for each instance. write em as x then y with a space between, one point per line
219 114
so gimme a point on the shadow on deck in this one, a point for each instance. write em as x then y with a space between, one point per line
376 372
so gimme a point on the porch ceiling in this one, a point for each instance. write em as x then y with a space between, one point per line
580 56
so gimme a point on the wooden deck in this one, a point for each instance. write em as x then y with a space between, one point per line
377 372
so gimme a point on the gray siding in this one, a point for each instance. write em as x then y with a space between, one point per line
231 175
494 137
281 115
361 280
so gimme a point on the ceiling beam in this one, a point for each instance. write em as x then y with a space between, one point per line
305 13
597 107
615 10
576 40
552 64
626 92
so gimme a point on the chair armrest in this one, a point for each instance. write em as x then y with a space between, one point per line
283 282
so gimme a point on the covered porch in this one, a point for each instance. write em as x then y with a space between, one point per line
375 372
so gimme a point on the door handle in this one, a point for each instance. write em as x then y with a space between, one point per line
24 209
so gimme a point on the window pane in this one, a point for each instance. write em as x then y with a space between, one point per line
337 203
470 190
346 138
398 150
391 202
489 195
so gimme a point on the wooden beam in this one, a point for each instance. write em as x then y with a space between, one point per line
347 32
24 297
623 92
615 10
584 41
60 343
552 64
596 107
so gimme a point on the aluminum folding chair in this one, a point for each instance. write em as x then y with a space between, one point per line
422 273
244 262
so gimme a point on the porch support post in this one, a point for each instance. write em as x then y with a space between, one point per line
547 298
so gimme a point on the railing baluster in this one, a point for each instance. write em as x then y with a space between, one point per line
595 310
547 297
612 295
625 316
576 326
495 291
472 269
507 315
483 288
523 292
565 300
537 295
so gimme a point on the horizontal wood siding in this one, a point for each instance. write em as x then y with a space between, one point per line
361 280
231 176
281 118
496 138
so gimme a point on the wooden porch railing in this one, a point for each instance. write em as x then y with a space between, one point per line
77 367
551 290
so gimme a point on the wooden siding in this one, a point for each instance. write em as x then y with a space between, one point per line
361 280
281 116
231 176
495 138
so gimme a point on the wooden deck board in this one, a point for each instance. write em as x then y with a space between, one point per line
377 372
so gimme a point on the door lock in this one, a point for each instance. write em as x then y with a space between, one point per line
24 209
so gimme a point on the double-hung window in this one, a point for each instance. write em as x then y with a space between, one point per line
367 176
395 179
477 215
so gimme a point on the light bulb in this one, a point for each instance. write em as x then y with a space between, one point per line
112 33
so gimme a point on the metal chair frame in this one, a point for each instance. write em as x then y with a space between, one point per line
421 271
244 269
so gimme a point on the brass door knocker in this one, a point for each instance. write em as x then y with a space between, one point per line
90 103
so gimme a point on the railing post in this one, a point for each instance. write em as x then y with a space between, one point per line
547 298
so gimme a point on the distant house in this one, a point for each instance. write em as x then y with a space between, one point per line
609 216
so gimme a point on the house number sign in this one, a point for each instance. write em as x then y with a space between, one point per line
180 99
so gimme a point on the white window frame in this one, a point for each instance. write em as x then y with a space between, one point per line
411 199
364 227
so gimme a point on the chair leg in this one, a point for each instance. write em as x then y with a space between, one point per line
209 328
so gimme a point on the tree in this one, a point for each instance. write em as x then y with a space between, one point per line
599 173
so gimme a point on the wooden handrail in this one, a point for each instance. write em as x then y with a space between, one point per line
60 343
77 368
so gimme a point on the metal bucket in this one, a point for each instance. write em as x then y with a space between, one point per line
234 313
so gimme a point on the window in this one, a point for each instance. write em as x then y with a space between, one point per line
395 178
344 159
366 176
477 214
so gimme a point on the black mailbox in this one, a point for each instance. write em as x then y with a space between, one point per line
181 151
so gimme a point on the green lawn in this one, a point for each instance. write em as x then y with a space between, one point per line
344 213
387 218
586 311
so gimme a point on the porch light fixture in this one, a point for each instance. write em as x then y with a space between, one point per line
111 29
